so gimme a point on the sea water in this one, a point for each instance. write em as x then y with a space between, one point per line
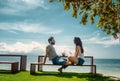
109 67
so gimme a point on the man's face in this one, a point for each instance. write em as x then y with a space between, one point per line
52 42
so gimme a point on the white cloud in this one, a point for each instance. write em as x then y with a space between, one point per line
20 47
29 27
32 47
15 7
63 48
106 41
97 38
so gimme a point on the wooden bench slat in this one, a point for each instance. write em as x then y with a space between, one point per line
6 62
67 56
58 65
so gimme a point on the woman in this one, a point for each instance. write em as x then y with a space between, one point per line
78 57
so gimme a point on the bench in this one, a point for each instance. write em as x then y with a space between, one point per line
40 59
14 65
23 60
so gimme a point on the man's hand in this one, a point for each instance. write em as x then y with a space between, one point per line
41 62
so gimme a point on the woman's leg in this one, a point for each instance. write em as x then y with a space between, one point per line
73 59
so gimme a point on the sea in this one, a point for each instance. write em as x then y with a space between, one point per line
107 67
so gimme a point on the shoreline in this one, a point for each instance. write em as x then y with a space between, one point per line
110 76
114 77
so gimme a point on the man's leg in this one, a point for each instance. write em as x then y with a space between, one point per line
64 64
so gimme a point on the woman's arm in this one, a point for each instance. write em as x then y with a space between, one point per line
77 50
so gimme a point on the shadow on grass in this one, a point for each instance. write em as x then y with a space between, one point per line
86 76
7 72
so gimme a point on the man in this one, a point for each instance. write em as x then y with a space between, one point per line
52 55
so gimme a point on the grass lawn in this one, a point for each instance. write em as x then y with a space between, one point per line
50 76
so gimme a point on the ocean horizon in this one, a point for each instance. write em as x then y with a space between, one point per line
105 66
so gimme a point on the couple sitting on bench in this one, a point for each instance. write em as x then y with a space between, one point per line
77 58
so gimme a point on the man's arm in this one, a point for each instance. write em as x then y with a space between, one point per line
47 52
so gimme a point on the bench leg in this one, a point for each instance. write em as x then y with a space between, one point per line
14 67
23 63
94 70
40 67
32 69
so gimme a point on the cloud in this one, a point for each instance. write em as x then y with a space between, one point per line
64 48
15 7
98 38
106 41
32 47
29 28
20 47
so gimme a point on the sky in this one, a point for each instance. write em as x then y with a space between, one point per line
26 25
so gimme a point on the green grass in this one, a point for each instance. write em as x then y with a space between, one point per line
50 76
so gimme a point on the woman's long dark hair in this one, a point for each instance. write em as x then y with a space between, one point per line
77 41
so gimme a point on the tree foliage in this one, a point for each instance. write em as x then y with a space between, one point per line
108 12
